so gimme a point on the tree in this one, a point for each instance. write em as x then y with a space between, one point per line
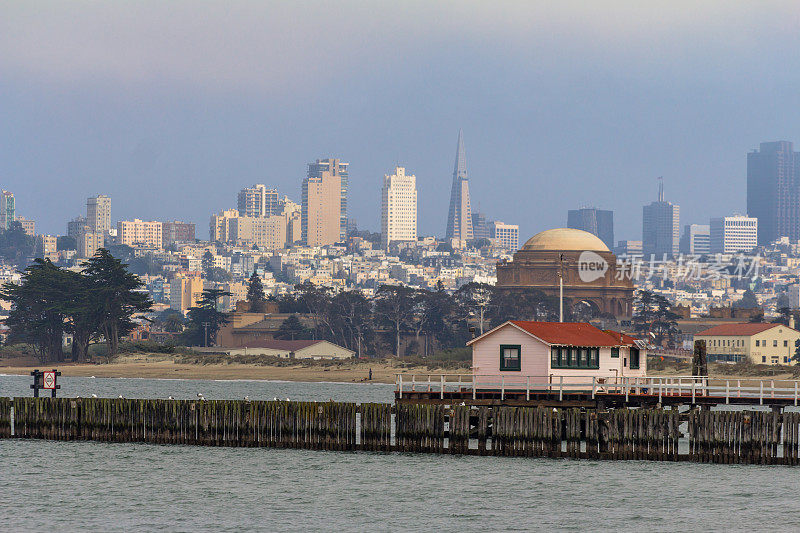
748 301
218 275
170 320
395 307
292 329
354 313
796 356
473 299
653 315
15 244
205 319
255 294
117 293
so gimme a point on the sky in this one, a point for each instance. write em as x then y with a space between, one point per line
172 107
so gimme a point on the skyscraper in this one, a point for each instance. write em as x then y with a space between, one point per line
324 213
480 227
398 207
773 190
7 209
459 216
337 168
660 227
596 221
696 239
98 213
258 201
733 234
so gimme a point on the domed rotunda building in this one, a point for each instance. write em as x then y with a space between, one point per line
588 268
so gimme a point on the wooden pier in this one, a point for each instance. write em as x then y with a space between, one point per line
702 435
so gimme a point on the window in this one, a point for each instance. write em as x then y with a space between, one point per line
634 358
510 357
774 343
785 344
583 357
615 353
785 359
757 344
763 358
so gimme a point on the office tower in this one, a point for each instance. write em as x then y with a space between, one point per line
660 227
258 201
695 239
28 226
505 235
773 191
338 169
98 213
734 234
459 216
7 209
88 243
324 207
598 222
480 228
398 207
177 231
140 233
628 248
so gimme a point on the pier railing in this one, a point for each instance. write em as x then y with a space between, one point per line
690 387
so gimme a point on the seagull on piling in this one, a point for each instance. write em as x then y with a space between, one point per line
247 398
170 398
200 396
94 395
121 397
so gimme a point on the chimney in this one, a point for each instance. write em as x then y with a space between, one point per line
791 320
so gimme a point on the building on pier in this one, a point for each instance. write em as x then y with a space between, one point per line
518 349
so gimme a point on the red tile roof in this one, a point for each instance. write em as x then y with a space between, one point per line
738 330
568 333
626 339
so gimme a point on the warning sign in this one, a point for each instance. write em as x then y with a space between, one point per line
49 380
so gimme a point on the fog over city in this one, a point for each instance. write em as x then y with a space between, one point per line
171 110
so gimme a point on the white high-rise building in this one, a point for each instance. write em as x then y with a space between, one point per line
398 207
734 234
505 235
258 201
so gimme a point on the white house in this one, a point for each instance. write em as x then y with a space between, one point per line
295 349
517 350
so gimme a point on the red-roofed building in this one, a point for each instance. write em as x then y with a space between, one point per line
517 349
771 344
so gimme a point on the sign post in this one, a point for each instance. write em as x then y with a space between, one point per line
47 380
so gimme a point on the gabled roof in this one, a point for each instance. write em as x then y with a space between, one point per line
626 339
563 333
739 330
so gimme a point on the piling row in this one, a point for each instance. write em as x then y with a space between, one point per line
752 437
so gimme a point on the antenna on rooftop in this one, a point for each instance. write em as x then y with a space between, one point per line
661 188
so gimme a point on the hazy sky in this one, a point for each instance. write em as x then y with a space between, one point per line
172 107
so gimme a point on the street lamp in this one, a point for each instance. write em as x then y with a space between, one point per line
205 335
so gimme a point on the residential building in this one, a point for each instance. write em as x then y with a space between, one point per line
324 203
773 181
219 228
793 293
398 208
28 226
292 212
758 343
264 232
459 215
598 222
504 235
185 292
142 233
338 169
177 231
258 201
47 247
660 227
98 213
480 227
77 227
7 209
733 234
88 243
696 239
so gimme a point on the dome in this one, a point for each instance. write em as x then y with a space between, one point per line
565 239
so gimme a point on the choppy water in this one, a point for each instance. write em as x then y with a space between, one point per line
89 486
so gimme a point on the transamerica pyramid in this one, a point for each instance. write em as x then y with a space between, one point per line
459 218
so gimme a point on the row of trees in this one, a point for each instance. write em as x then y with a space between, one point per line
93 304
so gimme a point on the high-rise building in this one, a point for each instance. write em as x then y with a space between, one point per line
185 292
264 232
219 227
773 191
88 243
140 233
505 235
628 248
258 201
7 209
598 222
292 213
28 226
734 234
98 213
177 231
459 216
323 216
77 226
398 207
480 227
660 227
47 247
339 169
695 239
